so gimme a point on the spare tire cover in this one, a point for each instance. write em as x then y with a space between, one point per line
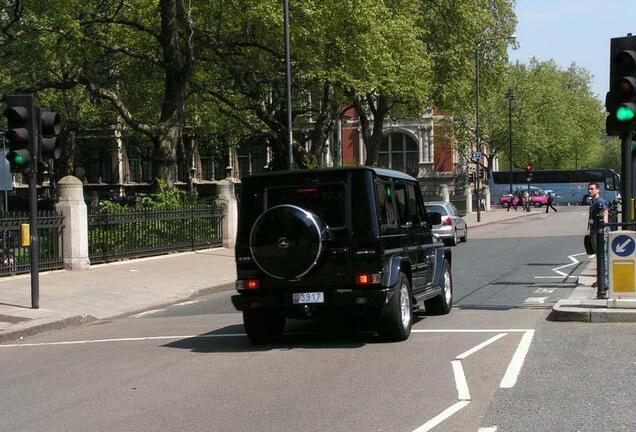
286 241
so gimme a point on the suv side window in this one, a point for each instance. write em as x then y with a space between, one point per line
403 210
386 212
411 199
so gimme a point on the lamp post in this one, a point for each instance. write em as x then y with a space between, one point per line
477 131
288 85
510 98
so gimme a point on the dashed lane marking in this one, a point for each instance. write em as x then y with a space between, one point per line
463 394
488 429
544 291
535 300
150 312
439 418
480 346
514 368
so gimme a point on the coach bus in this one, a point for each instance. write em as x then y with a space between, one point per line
569 185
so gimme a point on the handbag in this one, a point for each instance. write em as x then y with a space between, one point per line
589 247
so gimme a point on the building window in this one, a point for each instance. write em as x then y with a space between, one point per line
399 152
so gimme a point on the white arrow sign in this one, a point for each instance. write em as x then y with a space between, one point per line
621 247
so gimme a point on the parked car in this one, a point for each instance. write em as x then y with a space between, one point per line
338 241
453 228
538 198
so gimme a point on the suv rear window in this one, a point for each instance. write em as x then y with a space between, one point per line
326 200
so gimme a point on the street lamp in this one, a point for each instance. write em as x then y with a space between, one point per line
510 98
288 85
477 131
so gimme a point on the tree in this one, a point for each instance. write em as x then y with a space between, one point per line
557 120
137 56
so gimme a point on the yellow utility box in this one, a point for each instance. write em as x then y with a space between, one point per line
622 262
25 235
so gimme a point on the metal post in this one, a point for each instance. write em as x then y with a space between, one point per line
626 153
34 115
477 133
510 97
288 82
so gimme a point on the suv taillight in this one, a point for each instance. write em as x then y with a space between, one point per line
248 284
447 221
368 278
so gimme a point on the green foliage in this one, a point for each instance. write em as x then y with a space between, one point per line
557 122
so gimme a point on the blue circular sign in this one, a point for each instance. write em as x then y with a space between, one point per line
623 245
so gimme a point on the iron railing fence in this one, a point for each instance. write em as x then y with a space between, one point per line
139 233
16 259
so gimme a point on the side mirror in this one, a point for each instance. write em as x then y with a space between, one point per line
434 218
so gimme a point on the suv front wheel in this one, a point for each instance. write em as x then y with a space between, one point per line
263 327
397 315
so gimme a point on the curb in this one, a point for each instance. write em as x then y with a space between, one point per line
579 307
54 324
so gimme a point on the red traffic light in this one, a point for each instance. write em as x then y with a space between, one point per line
529 167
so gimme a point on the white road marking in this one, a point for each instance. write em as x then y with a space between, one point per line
572 258
514 368
544 291
480 346
535 300
186 303
439 418
150 312
130 339
488 429
556 277
471 330
463 394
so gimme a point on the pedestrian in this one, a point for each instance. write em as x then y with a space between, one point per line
598 205
526 201
516 199
550 205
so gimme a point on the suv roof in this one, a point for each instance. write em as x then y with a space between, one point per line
379 171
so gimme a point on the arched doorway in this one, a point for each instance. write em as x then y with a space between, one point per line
399 151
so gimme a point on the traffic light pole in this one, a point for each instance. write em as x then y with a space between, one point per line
628 193
34 116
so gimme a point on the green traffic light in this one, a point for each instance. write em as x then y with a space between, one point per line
19 160
624 114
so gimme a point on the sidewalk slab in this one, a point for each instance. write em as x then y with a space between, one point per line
583 306
496 215
111 290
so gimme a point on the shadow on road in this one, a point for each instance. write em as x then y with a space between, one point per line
316 334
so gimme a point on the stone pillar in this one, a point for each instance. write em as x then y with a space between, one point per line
227 196
485 192
75 234
443 192
468 195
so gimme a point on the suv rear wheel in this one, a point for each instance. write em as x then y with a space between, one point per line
443 302
263 326
397 315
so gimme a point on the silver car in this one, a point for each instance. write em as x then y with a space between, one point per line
453 228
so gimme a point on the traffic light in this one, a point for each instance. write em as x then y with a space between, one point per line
49 125
20 131
620 101
529 173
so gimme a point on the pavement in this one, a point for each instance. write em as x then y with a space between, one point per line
108 291
582 305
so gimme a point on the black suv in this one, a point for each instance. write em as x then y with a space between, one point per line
337 241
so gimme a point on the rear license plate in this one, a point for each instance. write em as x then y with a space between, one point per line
308 297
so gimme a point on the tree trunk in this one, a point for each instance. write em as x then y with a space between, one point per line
164 156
